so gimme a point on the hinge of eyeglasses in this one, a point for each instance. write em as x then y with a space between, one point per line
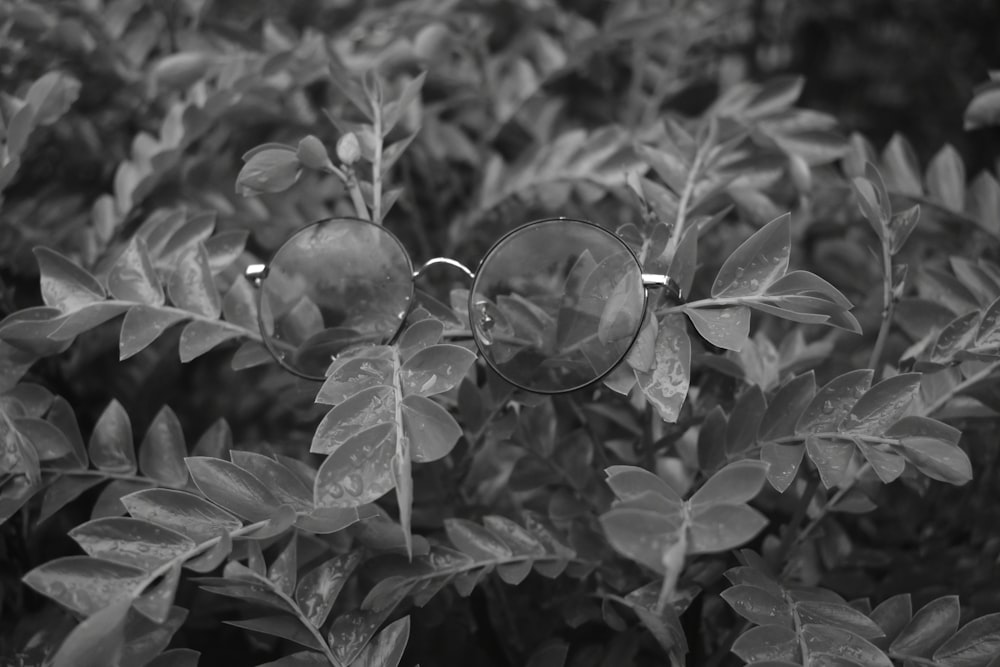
255 273
662 280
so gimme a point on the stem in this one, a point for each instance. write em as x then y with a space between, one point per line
685 201
798 629
377 163
943 399
888 305
787 540
356 197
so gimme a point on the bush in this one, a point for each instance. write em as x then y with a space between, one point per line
794 464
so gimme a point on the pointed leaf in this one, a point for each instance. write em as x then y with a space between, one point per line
834 402
843 643
286 627
937 459
476 541
143 325
199 337
728 328
435 369
111 445
973 645
785 408
318 589
97 641
191 286
733 485
109 502
758 605
783 463
882 406
157 600
722 527
283 482
84 584
642 535
283 570
757 263
666 386
935 622
630 482
65 285
359 471
162 452
360 412
432 431
181 511
839 616
145 640
768 642
353 375
63 491
130 541
232 487
133 278
386 650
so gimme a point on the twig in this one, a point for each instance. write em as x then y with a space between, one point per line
888 306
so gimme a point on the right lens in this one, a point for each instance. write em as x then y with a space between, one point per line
556 305
334 284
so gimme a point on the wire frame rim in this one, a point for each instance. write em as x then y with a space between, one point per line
266 340
479 272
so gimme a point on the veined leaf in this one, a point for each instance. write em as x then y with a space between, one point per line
360 412
783 463
642 535
837 615
284 483
130 541
785 407
733 485
717 528
666 385
435 369
181 511
351 632
353 375
162 452
882 405
111 445
232 487
199 337
191 285
83 584
831 457
386 649
143 325
833 402
938 459
286 627
65 285
359 471
728 328
133 278
843 643
144 639
929 628
629 482
757 263
758 605
476 541
95 642
768 642
431 429
318 589
973 645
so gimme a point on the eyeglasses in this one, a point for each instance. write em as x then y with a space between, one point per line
554 305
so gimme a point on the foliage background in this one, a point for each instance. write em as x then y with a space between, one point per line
504 79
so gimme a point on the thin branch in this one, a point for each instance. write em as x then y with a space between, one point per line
888 306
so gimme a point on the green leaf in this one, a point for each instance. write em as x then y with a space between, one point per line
920 426
520 541
133 278
157 600
783 463
199 337
973 645
892 615
474 540
130 541
758 605
181 511
285 484
887 463
97 641
350 632
984 109
717 528
191 286
145 640
368 408
286 627
143 325
901 226
727 328
109 502
162 452
86 318
318 589
744 421
785 408
642 535
733 485
232 487
831 457
110 446
837 615
757 263
937 459
804 283
435 369
359 471
49 442
419 335
768 642
270 170
833 402
177 657
983 202
64 284
935 622
84 584
629 482
51 96
666 386
431 429
62 491
386 649
842 643
882 405
225 248
353 375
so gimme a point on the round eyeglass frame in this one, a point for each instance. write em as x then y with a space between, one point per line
257 274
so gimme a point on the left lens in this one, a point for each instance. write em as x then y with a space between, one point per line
334 284
556 304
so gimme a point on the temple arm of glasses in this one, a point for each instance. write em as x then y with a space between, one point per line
663 280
